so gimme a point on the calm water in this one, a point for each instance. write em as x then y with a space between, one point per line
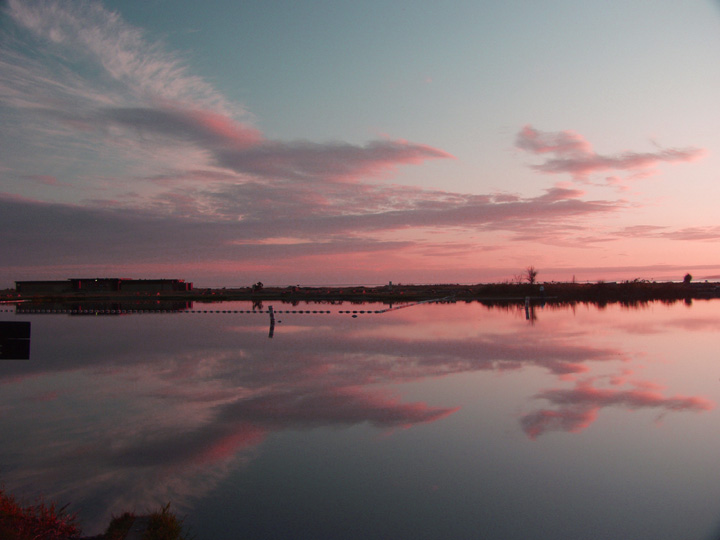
439 421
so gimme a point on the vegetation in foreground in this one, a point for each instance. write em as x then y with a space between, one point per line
35 521
162 525
42 521
119 526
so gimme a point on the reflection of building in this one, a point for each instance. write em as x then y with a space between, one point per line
102 285
100 307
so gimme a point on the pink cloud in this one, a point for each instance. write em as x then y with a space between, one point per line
542 142
227 222
561 194
244 150
693 233
574 155
306 160
203 127
582 166
707 233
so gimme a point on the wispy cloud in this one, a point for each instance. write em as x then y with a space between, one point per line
708 233
574 155
134 66
146 97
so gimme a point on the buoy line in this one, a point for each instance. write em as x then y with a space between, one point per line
213 311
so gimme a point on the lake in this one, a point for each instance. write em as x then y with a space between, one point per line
435 421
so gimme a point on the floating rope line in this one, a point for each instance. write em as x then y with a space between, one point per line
446 299
133 311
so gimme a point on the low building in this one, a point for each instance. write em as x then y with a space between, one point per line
96 284
154 285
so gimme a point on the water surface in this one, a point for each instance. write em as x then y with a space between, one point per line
434 421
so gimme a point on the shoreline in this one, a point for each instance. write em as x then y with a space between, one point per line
492 293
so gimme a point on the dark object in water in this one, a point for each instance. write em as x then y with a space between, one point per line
14 340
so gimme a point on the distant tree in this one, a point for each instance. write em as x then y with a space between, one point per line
531 275
687 278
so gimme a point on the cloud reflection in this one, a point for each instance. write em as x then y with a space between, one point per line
139 411
577 408
246 421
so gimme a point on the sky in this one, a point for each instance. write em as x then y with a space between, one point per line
327 143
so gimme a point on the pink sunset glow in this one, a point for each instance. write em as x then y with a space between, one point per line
339 144
122 156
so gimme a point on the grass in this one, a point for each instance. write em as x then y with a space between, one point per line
35 521
119 526
162 525
42 521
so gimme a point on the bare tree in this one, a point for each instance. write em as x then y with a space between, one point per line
531 275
